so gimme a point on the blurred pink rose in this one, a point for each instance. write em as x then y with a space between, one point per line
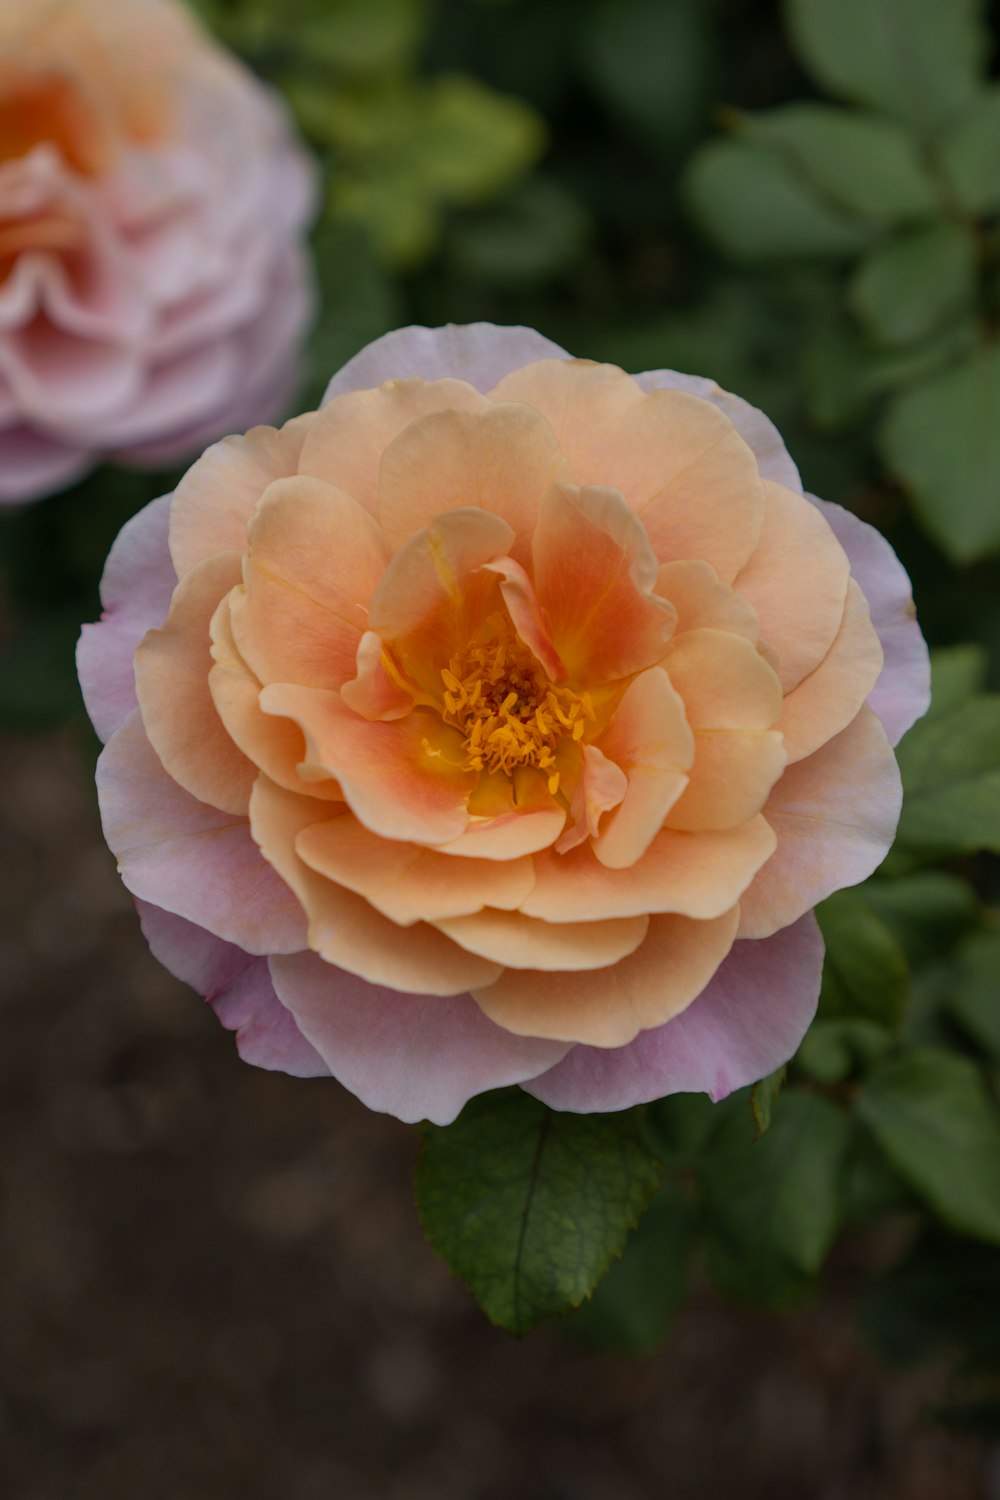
153 287
501 722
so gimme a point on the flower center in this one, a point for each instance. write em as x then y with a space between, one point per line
509 713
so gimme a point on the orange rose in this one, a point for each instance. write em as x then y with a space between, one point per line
507 719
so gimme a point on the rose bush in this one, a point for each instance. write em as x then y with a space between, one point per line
153 289
501 722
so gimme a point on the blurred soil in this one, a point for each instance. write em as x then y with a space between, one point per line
213 1283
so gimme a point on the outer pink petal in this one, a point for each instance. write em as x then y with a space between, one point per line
187 857
746 1022
32 465
417 1057
755 429
136 590
903 691
835 815
481 353
238 988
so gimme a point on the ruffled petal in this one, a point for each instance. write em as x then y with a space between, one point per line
217 496
828 699
238 988
136 590
479 353
172 666
519 942
608 1007
418 1057
745 1024
188 858
903 691
346 441
650 739
835 816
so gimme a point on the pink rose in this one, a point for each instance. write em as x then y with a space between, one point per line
501 723
153 288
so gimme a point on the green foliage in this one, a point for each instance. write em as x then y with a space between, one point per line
943 438
529 1207
651 62
940 1127
975 1000
634 1305
969 154
865 974
917 60
951 781
907 287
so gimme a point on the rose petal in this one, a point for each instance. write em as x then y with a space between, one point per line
748 1020
136 589
650 739
172 666
480 353
413 1056
608 1007
519 942
903 691
186 857
835 815
702 600
239 990
827 700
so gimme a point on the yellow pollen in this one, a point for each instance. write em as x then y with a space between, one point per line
509 713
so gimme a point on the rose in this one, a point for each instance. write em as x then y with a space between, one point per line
152 199
501 723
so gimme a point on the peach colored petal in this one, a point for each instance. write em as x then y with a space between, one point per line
595 574
501 460
609 1007
429 597
690 874
418 1057
345 443
525 830
681 464
601 786
748 1020
187 857
344 928
733 772
388 773
406 882
702 600
527 615
374 693
827 700
797 582
650 738
835 816
724 681
519 942
315 558
172 665
217 496
276 746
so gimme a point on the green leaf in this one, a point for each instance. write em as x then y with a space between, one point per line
536 232
762 1097
860 164
943 440
370 38
909 286
958 673
917 60
756 207
970 155
832 1050
951 781
934 1119
529 1206
926 912
633 1306
772 1209
650 61
976 998
865 972
472 142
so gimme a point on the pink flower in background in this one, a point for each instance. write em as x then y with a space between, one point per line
153 289
501 723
